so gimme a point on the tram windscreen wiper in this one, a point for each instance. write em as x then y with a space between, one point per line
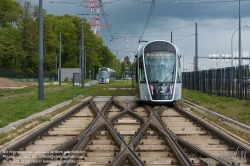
161 83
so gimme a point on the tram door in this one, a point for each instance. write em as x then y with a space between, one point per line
144 94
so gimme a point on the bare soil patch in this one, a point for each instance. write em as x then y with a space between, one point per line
8 83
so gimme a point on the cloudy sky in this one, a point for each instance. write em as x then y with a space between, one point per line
217 20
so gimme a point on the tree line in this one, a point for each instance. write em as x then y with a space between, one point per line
19 41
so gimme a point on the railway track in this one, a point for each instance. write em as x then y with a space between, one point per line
195 130
54 134
107 130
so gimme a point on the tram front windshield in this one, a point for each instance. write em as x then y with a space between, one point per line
160 66
103 74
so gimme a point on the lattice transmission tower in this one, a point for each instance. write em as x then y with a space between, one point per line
94 21
127 59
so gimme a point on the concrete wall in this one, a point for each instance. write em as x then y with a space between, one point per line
68 73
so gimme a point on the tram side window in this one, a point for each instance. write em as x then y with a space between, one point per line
141 71
179 72
142 76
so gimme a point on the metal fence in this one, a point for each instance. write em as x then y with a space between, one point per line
24 76
230 81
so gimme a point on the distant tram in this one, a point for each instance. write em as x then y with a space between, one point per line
158 72
106 74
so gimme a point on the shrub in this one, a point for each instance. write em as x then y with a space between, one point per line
66 79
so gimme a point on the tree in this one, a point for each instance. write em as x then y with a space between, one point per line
7 10
27 25
9 48
50 40
19 40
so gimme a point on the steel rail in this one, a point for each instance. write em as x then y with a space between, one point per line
196 149
34 136
82 143
178 152
149 113
120 158
169 139
223 118
68 145
116 136
191 146
134 141
115 117
187 144
101 115
140 133
117 104
224 137
107 107
128 111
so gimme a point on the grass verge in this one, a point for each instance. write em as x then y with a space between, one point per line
238 110
8 136
18 104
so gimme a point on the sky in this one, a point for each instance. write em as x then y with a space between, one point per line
217 26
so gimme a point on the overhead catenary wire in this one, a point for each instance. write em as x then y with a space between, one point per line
183 37
110 1
169 29
136 37
78 2
191 3
106 21
65 2
195 3
155 30
148 18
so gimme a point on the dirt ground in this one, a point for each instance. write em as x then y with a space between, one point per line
5 82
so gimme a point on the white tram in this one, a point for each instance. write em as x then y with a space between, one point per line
158 72
106 74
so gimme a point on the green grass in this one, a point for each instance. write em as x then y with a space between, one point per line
18 104
233 108
227 127
8 136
